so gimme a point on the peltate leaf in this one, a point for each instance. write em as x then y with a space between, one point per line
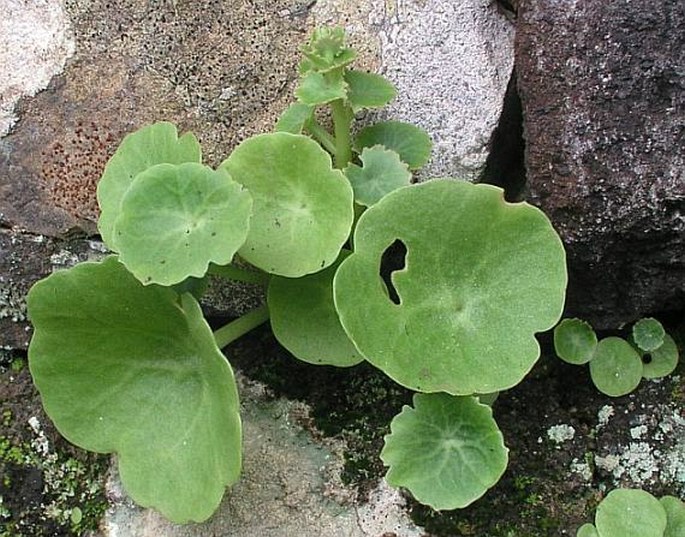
630 513
381 172
294 118
304 320
575 341
303 208
150 145
315 88
176 219
587 530
134 370
648 334
675 516
662 361
368 90
409 141
481 277
446 450
616 368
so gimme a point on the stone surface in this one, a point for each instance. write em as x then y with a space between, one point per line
603 93
35 42
290 485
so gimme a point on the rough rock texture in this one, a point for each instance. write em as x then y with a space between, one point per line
603 92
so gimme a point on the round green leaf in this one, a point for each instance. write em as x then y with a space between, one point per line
482 276
303 208
663 360
409 141
304 320
150 145
175 220
133 369
575 341
447 451
675 516
648 334
368 90
630 513
587 530
616 368
381 172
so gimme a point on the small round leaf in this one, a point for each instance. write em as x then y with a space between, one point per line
315 89
150 145
134 370
616 368
368 90
381 172
675 516
175 220
587 530
304 320
630 513
409 141
575 341
472 295
648 334
303 208
447 451
663 360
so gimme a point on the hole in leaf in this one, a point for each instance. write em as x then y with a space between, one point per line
647 358
392 260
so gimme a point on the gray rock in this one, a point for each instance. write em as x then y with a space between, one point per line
603 92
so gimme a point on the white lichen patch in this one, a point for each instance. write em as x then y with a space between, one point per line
561 433
603 415
12 304
582 468
35 43
652 455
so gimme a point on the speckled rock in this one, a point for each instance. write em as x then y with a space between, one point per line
603 95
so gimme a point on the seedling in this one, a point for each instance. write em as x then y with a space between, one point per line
636 513
126 363
616 365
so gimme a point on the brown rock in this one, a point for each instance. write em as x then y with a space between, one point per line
603 92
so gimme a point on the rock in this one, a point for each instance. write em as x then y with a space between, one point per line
603 93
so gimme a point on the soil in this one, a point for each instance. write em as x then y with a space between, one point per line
551 487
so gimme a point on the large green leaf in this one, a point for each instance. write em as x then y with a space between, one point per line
303 208
446 450
630 513
381 172
482 276
662 361
150 145
134 369
304 320
176 219
409 141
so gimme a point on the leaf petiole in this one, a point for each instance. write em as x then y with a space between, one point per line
242 325
320 135
342 120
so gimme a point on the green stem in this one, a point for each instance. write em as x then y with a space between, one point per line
321 135
230 332
238 274
342 120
